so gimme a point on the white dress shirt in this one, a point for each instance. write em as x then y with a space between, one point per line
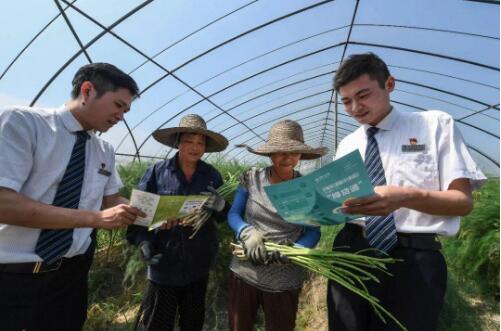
35 148
406 162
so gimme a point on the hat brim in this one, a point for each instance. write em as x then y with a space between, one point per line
215 141
307 152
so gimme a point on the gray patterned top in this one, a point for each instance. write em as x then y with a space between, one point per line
260 213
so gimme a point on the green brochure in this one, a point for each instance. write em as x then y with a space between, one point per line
315 199
159 208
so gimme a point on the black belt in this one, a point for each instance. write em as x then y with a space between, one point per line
426 241
39 267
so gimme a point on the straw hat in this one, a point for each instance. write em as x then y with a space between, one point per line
191 124
287 137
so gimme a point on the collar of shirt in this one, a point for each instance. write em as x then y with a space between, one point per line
173 165
69 120
387 123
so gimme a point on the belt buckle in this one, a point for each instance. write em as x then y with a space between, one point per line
51 267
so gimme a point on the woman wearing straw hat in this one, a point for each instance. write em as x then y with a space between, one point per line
260 281
178 266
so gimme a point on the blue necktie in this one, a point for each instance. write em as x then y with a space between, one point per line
53 244
380 230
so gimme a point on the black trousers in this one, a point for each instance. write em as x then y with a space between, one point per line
48 301
414 294
161 304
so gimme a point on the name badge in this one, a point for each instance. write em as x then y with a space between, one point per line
104 172
413 148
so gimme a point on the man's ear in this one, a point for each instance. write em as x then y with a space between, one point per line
86 90
390 84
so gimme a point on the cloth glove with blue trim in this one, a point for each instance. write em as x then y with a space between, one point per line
253 243
146 253
215 202
275 257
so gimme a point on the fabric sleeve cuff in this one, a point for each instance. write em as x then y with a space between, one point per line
11 184
112 190
476 179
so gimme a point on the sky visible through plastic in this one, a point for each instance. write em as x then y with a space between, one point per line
243 65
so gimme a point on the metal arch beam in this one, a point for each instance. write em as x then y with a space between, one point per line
446 102
444 75
90 43
288 114
350 124
327 140
278 107
285 78
311 135
266 131
258 73
413 27
273 91
334 92
73 32
75 35
240 36
268 69
205 98
444 91
193 33
480 111
308 134
458 121
249 77
304 125
283 116
417 51
491 2
275 119
229 109
39 33
269 52
272 101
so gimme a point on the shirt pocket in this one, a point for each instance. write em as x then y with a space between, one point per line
417 169
95 191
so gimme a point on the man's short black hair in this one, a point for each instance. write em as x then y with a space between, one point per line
105 77
359 64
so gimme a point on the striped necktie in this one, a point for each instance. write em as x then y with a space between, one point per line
54 243
380 230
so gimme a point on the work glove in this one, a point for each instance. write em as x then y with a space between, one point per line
215 202
253 243
275 257
146 253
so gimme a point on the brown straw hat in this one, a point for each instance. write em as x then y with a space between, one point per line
191 123
287 137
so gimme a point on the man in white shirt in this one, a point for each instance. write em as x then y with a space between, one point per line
423 176
58 182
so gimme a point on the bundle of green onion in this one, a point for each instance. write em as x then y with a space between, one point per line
349 270
198 218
